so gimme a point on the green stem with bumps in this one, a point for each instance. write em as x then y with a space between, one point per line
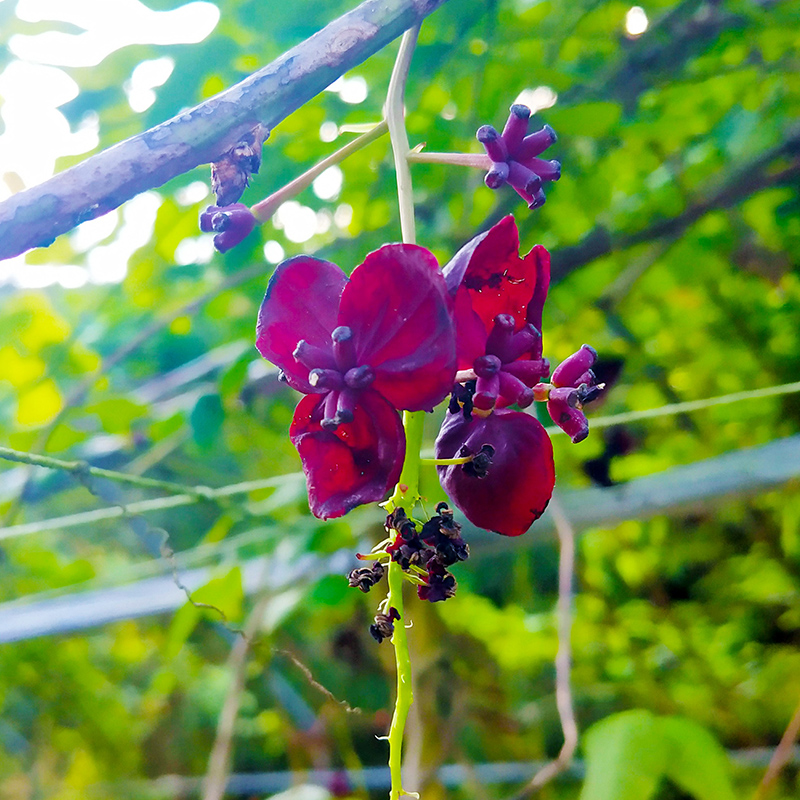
406 493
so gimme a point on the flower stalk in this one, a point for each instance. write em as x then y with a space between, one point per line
264 210
406 493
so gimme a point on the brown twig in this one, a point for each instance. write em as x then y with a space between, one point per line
220 758
566 712
781 756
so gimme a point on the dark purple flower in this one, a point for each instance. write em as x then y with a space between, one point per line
573 384
231 224
499 297
515 156
359 348
512 491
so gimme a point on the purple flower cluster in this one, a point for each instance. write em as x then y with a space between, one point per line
401 335
360 349
515 156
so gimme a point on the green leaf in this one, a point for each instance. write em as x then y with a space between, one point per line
697 762
225 594
626 757
206 419
588 119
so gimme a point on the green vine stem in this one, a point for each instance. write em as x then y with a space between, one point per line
82 468
264 210
406 493
405 694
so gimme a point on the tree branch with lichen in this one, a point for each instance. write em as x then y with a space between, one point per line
206 133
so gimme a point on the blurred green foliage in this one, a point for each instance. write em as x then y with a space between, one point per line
675 233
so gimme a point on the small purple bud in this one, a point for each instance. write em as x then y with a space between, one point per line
343 347
516 127
526 340
497 175
486 391
493 143
588 377
571 420
345 407
571 371
312 357
359 377
220 222
535 144
500 336
538 199
325 380
329 404
487 366
565 394
525 181
546 170
513 390
232 223
530 372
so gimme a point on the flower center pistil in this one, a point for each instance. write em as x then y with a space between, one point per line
334 373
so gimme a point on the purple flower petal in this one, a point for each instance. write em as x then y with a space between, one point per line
535 307
456 267
399 310
519 482
470 331
357 463
301 304
500 282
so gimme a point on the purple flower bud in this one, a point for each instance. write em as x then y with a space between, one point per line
324 380
493 143
232 224
529 372
497 175
535 144
513 390
516 126
311 357
566 394
487 366
546 170
359 377
571 420
343 347
570 371
499 340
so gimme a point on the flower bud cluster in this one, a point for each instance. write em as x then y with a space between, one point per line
515 156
